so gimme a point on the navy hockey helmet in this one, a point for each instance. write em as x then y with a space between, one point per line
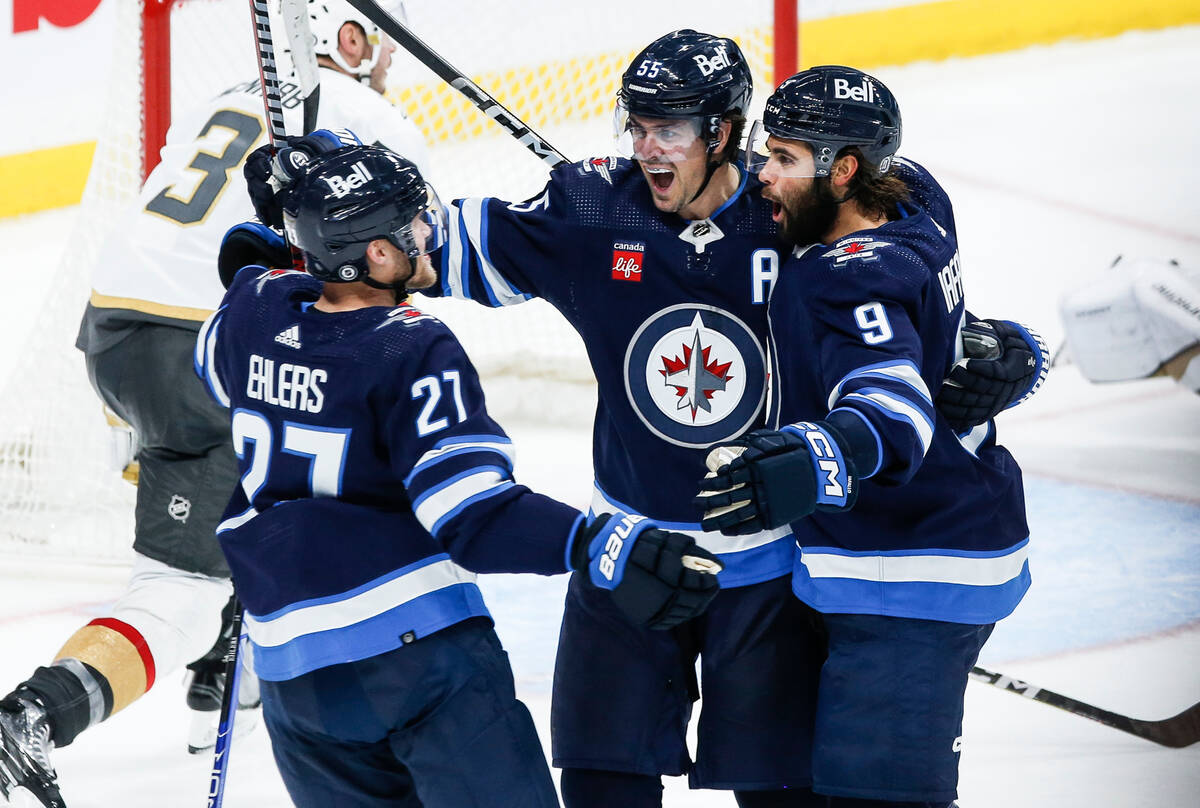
686 74
830 107
347 198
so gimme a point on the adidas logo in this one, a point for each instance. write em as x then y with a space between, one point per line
289 337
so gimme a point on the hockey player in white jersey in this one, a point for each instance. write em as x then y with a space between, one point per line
1140 318
153 285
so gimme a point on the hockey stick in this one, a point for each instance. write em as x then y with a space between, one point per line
273 106
1176 732
233 679
456 79
304 58
268 72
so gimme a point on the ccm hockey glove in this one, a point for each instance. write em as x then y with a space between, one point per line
1004 364
658 579
767 479
271 170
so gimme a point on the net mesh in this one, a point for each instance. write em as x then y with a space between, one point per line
556 65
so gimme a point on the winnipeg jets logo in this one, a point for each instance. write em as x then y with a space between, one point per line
603 166
860 247
406 315
695 375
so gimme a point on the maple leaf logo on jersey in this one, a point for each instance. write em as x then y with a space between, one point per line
695 378
860 247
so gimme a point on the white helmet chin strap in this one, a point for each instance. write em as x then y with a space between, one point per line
364 67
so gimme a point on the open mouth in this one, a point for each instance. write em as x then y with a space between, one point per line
661 177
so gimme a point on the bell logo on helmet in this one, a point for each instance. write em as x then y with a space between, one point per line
358 177
862 92
719 60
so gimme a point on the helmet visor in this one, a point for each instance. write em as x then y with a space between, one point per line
784 158
427 230
654 140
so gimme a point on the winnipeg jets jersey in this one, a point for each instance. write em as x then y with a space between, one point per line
673 315
870 325
159 262
370 472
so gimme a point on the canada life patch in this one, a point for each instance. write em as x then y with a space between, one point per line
627 260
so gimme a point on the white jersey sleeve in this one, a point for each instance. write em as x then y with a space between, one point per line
160 260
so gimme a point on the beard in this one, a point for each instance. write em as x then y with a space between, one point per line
809 215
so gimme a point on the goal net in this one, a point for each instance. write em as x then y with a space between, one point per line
555 63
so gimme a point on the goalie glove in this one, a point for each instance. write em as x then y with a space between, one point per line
251 243
658 579
767 479
271 170
1004 364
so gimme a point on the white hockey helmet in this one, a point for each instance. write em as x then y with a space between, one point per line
325 20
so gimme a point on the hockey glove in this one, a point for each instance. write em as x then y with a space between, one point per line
658 579
1005 363
271 170
767 479
251 243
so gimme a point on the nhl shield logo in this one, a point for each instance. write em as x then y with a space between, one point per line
695 375
179 508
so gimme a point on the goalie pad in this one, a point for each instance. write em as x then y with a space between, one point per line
1133 320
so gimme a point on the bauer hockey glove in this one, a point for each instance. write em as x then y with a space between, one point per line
271 170
1004 364
658 579
767 479
251 243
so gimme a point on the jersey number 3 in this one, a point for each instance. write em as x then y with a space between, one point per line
214 168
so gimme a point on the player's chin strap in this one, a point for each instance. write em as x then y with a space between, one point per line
397 288
711 169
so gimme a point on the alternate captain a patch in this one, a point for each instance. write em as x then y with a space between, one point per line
627 260
695 375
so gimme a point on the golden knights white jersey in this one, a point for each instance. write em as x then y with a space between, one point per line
160 261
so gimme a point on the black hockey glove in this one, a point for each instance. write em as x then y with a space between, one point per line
1005 363
271 170
658 579
767 479
251 243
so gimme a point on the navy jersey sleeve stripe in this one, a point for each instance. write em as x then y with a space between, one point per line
895 407
470 274
207 353
446 500
903 371
480 449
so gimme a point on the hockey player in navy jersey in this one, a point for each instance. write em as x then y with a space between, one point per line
664 265
911 536
372 479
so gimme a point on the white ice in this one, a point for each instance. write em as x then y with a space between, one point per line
1058 159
